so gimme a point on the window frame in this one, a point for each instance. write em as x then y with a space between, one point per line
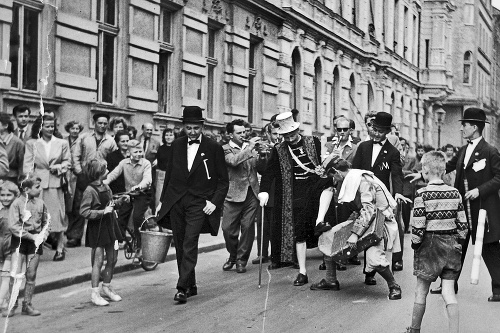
467 64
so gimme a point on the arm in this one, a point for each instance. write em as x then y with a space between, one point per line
451 165
397 173
89 199
116 172
492 185
78 155
146 176
29 158
270 171
222 177
4 161
419 220
168 172
65 159
367 211
45 216
233 159
16 222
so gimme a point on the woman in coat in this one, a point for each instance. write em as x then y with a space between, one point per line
49 158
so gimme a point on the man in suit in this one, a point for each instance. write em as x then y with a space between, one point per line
240 206
23 129
478 180
342 145
383 159
149 144
192 197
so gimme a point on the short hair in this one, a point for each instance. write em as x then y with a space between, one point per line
132 144
6 120
434 162
10 186
72 123
133 130
37 125
20 108
119 134
100 115
237 122
338 163
342 119
352 124
117 120
371 114
30 181
401 139
95 169
449 145
428 148
166 130
419 146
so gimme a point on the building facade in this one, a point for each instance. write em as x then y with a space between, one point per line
146 59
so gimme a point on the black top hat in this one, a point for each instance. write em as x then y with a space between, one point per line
192 114
383 120
99 115
475 114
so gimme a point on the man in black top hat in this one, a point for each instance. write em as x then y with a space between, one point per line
478 181
193 195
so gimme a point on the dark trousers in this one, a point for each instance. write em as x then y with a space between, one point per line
268 217
76 222
406 211
187 219
239 218
398 256
491 257
137 207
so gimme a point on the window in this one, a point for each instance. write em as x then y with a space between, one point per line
467 67
212 63
317 93
24 35
253 56
106 50
427 52
163 80
106 11
166 49
295 80
396 25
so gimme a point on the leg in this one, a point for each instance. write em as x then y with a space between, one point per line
111 257
123 217
450 300
4 286
397 257
16 268
247 219
231 229
330 281
76 222
29 288
491 256
377 261
140 205
419 304
97 258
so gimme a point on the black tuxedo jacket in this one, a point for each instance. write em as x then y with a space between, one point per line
208 179
486 179
387 165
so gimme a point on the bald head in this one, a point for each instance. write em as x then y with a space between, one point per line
147 130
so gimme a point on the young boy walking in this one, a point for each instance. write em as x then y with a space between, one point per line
439 229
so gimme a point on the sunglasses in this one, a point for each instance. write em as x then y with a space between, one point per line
342 129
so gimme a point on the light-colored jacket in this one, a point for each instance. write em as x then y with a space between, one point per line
86 149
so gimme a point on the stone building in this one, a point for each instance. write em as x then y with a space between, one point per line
146 59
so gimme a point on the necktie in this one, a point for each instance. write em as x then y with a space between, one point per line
378 143
21 134
194 141
145 144
469 142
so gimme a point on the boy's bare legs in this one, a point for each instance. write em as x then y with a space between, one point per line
29 289
16 268
448 294
421 292
4 286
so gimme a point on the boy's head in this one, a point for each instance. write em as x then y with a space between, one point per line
135 150
8 193
95 169
31 187
433 164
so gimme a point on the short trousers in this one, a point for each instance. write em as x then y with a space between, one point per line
27 246
438 256
375 257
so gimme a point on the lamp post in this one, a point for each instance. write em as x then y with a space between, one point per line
440 115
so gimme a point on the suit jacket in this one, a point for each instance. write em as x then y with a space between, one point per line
242 166
387 165
59 157
208 179
486 180
348 153
153 146
27 134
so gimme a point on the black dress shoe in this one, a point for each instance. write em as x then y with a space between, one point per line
300 280
322 266
354 261
370 280
265 260
59 256
228 265
494 298
74 243
192 291
325 285
321 228
395 292
341 267
273 265
240 268
180 296
397 266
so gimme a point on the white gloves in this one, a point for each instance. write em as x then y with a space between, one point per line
263 198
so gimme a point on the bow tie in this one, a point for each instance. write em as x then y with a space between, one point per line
469 142
194 141
378 143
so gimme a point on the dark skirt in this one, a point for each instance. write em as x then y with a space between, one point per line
101 233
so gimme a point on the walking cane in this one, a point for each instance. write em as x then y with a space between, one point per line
261 245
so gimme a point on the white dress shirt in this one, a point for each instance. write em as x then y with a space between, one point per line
376 150
470 148
192 150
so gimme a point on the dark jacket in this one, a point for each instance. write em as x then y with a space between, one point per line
113 159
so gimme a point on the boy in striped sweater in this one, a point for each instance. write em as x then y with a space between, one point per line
439 228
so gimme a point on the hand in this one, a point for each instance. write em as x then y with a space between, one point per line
352 240
155 162
108 209
415 246
209 208
252 142
53 169
135 188
400 197
319 170
414 177
158 208
105 182
472 194
263 198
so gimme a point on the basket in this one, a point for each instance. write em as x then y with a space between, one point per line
155 245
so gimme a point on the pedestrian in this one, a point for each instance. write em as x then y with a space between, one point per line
14 148
136 171
117 124
478 180
28 219
8 193
439 230
192 197
162 158
241 203
23 128
49 158
103 232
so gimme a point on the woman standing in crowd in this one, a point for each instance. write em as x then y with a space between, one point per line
132 132
117 124
167 138
14 147
114 158
49 158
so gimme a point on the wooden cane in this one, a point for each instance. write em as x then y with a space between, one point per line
261 245
478 247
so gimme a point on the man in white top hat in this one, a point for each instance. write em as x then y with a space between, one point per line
295 165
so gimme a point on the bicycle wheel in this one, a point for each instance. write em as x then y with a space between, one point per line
148 265
128 250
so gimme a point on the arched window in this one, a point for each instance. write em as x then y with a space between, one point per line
467 67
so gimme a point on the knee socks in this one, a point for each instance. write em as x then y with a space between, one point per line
416 318
331 270
453 322
386 273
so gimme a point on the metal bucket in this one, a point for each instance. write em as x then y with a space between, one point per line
155 245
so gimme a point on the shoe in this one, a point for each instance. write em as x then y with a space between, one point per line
370 280
341 266
322 266
192 291
321 228
110 293
10 313
397 266
325 285
265 260
74 243
300 280
395 292
29 310
354 261
412 330
59 256
494 298
273 266
228 265
180 296
240 268
97 298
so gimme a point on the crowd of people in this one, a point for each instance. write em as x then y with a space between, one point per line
196 182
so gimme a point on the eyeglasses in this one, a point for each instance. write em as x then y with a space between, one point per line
342 129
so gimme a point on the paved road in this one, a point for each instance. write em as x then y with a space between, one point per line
231 302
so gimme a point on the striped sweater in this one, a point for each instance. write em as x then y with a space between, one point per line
438 207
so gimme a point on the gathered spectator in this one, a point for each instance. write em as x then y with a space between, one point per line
132 132
163 160
52 114
117 124
113 159
14 148
22 114
149 144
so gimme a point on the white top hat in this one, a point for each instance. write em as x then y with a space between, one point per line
285 123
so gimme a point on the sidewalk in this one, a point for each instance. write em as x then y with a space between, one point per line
76 267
